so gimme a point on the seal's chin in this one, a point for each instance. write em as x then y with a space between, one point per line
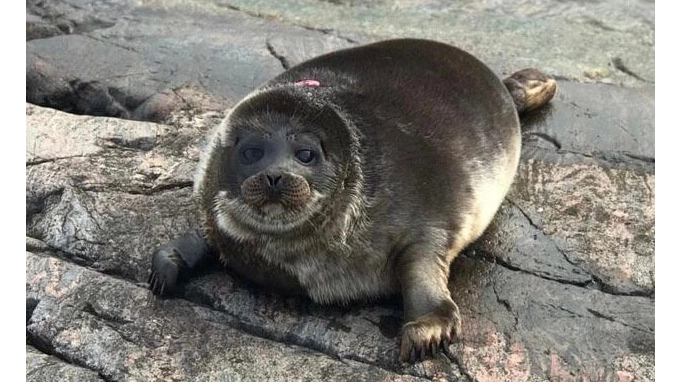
274 210
242 220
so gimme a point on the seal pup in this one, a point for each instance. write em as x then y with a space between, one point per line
358 174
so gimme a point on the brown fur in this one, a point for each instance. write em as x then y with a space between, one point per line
420 145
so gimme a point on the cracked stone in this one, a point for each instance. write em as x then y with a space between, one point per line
113 228
561 286
51 18
594 121
161 340
44 367
528 326
132 68
547 33
601 219
515 242
284 61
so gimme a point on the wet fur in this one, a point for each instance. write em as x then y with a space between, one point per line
427 146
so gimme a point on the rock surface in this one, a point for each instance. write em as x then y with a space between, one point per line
560 287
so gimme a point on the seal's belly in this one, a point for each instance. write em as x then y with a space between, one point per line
331 279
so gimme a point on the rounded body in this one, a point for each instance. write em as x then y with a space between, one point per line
418 143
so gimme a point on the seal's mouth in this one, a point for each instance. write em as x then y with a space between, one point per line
243 219
275 193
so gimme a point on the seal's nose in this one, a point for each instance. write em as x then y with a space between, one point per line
274 185
273 180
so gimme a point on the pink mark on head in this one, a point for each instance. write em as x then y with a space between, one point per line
308 83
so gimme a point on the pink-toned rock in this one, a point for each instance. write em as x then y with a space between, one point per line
532 308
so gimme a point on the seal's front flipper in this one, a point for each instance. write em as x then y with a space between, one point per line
432 318
176 259
530 89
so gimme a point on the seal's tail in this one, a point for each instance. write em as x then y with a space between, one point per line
530 89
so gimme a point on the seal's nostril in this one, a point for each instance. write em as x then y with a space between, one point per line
273 179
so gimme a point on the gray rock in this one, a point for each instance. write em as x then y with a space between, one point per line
560 287
118 329
601 219
594 121
566 295
147 61
43 367
518 327
606 41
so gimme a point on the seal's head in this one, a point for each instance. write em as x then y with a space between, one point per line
278 173
284 158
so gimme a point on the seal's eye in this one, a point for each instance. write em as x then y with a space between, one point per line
252 155
305 156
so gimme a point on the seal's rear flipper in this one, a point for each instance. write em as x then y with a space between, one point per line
530 89
174 260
